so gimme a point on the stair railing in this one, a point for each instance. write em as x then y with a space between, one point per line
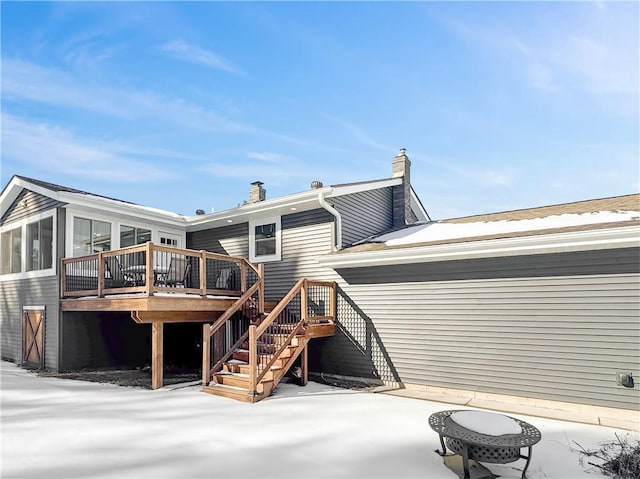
305 302
251 300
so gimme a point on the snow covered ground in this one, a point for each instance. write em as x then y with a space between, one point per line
58 428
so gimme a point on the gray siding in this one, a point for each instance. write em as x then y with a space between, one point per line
558 337
232 240
28 292
36 203
32 292
304 236
364 214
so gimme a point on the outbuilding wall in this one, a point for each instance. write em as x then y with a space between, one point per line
551 326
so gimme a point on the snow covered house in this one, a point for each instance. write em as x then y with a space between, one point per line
535 308
77 268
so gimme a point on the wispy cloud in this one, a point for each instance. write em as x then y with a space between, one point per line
272 168
265 156
359 134
186 52
479 177
272 175
42 145
22 80
595 52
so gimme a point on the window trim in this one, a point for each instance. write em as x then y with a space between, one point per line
22 223
116 222
252 240
135 234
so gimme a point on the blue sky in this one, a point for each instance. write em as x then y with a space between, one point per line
180 106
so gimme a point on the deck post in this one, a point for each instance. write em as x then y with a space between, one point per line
243 277
149 279
203 272
100 274
333 299
206 353
157 360
304 305
253 359
63 278
305 364
261 290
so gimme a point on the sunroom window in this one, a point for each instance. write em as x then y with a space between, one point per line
130 236
90 236
11 244
39 244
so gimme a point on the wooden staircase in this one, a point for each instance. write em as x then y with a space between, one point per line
277 336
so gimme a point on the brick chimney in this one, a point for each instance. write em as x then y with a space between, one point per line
401 168
257 192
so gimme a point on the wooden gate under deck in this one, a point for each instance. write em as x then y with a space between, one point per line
33 321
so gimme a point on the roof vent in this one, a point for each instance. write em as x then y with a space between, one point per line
199 212
316 184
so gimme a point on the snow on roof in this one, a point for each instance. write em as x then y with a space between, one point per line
439 231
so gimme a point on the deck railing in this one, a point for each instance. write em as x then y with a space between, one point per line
152 268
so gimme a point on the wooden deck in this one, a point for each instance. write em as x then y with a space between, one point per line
167 302
160 284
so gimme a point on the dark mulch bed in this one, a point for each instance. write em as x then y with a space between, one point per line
140 378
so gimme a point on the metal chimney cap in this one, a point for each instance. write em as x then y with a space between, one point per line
257 183
316 184
200 212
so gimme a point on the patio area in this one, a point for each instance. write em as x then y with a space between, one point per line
61 428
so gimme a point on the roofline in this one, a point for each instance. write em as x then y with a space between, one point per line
533 208
119 207
350 188
418 207
87 200
306 200
251 210
622 237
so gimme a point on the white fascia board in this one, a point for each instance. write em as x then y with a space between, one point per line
623 237
418 208
119 208
360 187
304 201
15 186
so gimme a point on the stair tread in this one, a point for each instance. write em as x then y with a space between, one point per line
226 386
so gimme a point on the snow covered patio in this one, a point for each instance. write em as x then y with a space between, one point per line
58 428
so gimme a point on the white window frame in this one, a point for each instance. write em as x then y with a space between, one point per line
22 223
116 223
252 240
135 230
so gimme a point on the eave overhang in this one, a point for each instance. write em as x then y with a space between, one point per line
622 237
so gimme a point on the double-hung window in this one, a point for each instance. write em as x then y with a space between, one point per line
264 240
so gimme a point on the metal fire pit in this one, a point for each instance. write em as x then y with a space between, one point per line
483 447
